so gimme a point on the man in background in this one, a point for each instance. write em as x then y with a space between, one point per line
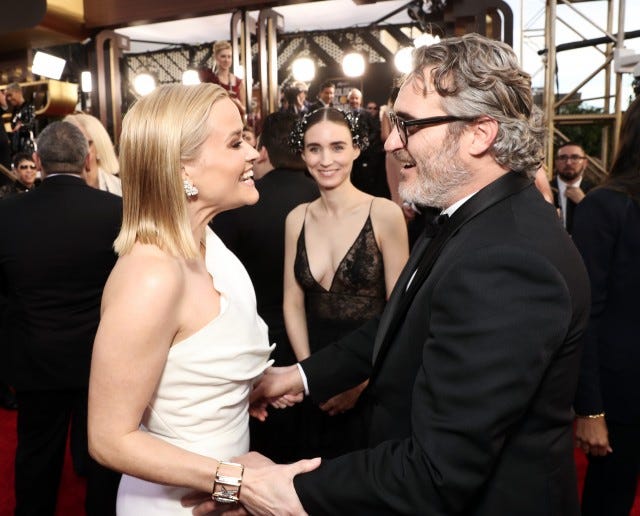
569 186
55 256
325 96
255 234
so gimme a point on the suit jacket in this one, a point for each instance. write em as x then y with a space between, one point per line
606 230
472 372
585 186
55 256
255 234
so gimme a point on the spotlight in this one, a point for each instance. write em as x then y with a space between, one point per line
353 64
85 82
190 77
144 83
425 40
47 65
403 59
303 69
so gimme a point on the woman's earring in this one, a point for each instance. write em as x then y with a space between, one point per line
189 188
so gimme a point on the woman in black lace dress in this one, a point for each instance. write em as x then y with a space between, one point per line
343 255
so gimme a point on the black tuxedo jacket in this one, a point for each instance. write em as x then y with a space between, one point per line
473 370
255 234
607 233
55 256
585 186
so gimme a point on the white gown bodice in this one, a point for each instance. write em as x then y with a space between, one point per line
202 398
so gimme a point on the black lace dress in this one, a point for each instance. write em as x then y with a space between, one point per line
357 294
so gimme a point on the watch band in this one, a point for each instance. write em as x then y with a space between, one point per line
227 482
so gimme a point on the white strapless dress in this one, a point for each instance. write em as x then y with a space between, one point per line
201 402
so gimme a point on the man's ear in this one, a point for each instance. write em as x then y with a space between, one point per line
87 163
483 133
36 160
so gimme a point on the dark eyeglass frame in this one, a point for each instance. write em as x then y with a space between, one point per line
571 157
32 167
401 124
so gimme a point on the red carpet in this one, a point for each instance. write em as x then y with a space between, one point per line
71 499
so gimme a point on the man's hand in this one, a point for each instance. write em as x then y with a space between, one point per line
574 193
344 401
276 382
592 436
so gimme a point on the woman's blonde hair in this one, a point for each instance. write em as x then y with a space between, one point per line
98 134
160 133
219 46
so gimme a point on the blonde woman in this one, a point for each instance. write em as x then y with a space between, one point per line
102 168
222 76
180 342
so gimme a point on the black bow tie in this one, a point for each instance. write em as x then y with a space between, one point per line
435 225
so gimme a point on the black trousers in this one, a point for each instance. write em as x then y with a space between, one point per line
611 481
43 425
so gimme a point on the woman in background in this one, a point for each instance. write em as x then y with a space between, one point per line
222 76
102 168
606 230
343 255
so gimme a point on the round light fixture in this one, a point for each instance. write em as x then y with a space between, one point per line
303 69
190 77
403 59
353 64
144 83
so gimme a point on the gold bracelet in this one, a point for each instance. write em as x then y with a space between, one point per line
226 484
591 416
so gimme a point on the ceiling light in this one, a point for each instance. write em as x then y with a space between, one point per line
47 65
303 69
190 77
144 83
353 64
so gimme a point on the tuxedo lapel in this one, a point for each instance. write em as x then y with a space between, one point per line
421 262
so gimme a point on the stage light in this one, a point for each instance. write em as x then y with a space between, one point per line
353 64
47 65
303 69
85 82
190 77
403 59
144 83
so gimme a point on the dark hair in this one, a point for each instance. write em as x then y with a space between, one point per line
625 172
350 120
274 137
566 144
62 148
327 84
20 157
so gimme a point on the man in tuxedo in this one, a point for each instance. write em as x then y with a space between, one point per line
569 186
473 363
55 257
325 96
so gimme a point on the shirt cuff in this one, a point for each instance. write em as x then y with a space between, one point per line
305 384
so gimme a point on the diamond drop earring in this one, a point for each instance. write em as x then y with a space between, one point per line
189 188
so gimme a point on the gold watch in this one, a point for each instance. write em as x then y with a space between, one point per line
227 482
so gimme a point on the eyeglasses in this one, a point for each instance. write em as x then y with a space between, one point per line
401 124
573 157
23 167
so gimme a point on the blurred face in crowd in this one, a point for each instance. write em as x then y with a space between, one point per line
26 172
571 162
372 108
224 59
14 98
355 99
326 95
250 137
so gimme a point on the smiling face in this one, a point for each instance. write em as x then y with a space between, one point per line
329 153
224 59
26 171
432 170
223 170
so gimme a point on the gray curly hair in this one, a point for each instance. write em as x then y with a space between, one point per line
477 76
